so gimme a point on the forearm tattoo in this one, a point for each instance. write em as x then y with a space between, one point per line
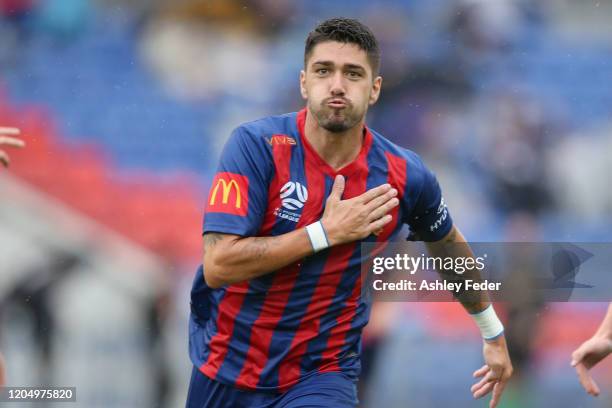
211 239
258 248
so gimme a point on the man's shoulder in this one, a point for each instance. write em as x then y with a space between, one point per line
413 159
264 128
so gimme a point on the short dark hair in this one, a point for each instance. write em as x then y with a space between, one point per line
345 30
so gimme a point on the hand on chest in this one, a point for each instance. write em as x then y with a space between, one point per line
297 200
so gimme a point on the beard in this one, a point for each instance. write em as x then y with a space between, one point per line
336 120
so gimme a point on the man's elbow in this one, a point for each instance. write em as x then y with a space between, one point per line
214 275
213 281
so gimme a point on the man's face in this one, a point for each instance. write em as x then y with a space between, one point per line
338 85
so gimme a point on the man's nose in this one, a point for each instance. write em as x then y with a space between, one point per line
338 85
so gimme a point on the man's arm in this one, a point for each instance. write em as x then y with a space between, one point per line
455 245
591 352
231 258
497 369
6 138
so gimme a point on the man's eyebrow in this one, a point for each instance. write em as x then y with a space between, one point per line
346 66
354 66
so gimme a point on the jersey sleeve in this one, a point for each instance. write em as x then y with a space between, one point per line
238 195
429 219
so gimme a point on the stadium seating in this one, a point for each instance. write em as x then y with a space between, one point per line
162 215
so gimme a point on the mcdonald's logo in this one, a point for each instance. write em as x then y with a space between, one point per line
229 194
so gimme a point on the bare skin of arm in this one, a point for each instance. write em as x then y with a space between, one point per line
7 139
455 245
498 368
591 352
231 258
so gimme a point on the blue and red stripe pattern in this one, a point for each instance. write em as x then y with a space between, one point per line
274 331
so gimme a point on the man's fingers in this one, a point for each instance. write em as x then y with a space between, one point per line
337 188
498 389
11 141
383 209
481 371
380 200
491 378
483 381
9 131
586 380
4 159
577 356
373 193
379 223
484 390
478 385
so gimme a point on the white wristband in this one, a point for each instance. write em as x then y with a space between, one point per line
489 324
317 235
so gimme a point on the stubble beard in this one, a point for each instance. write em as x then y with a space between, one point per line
337 120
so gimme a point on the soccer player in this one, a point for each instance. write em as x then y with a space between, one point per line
591 352
6 138
276 312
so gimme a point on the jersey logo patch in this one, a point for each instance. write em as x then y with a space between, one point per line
442 213
281 140
301 195
229 194
293 195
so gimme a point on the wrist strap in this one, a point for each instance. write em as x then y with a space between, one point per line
317 235
489 324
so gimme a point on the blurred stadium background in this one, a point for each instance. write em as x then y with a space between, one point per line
124 105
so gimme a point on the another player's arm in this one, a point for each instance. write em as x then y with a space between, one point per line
7 139
498 368
232 258
591 352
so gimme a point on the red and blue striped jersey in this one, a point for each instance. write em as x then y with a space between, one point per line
272 331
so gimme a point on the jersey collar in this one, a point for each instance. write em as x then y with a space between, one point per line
360 162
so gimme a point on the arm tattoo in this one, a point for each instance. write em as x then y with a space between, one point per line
211 239
258 247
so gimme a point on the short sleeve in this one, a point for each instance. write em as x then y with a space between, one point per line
430 219
238 195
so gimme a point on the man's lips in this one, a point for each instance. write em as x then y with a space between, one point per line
337 103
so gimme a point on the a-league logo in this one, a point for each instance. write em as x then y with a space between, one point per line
296 202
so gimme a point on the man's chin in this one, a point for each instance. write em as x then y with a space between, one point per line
335 121
335 127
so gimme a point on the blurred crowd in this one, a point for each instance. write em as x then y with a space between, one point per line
467 84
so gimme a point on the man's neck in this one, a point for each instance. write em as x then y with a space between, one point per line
336 149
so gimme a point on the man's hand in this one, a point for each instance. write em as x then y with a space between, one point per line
587 356
495 373
356 218
6 139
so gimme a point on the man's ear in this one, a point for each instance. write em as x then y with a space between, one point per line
303 84
375 93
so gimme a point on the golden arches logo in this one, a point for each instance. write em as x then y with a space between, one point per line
227 188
